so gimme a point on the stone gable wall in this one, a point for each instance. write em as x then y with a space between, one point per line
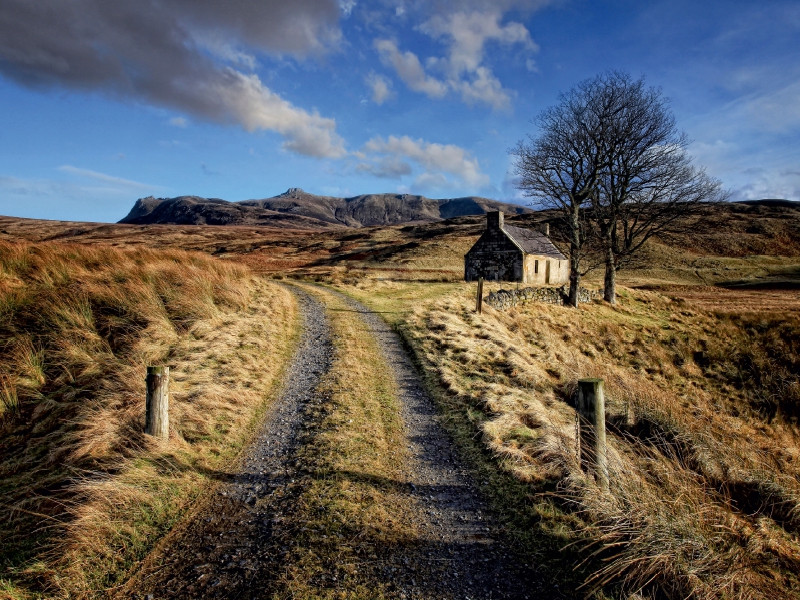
494 257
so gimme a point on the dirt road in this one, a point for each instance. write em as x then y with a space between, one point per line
238 543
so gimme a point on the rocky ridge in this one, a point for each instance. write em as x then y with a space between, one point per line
298 209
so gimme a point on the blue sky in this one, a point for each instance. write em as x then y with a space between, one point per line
103 103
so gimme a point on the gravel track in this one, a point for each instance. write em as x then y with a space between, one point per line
463 553
227 545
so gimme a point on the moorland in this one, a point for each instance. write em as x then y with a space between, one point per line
700 356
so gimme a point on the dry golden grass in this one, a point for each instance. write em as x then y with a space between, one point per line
737 301
85 493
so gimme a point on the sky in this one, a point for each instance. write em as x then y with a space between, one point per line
103 102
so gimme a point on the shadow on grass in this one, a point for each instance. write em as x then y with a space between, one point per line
783 278
380 312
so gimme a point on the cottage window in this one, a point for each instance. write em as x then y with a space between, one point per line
536 266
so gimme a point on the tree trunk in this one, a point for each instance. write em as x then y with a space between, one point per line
610 290
574 285
574 258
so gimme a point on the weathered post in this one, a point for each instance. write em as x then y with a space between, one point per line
591 407
157 403
479 300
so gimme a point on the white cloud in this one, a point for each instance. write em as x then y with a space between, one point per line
714 154
769 183
435 181
381 88
466 36
256 107
347 6
178 122
181 55
750 173
409 69
432 157
510 187
224 49
485 88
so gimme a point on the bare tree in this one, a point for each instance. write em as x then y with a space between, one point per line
611 160
647 185
561 168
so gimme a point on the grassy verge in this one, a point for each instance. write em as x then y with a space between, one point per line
353 502
703 440
85 493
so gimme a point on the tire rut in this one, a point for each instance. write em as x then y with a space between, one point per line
227 546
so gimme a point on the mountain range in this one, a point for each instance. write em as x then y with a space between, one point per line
298 209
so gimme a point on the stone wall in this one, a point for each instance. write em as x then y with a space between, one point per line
505 299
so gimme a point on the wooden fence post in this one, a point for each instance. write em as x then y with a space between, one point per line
591 407
157 403
479 299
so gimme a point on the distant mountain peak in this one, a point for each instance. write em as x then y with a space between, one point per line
294 192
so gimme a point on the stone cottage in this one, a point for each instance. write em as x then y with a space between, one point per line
508 253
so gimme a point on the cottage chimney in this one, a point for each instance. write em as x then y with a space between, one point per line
494 220
545 228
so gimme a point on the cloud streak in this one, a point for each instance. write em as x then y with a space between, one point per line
107 197
182 54
102 177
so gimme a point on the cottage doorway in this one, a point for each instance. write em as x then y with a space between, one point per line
547 273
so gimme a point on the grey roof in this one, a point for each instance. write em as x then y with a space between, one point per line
533 242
